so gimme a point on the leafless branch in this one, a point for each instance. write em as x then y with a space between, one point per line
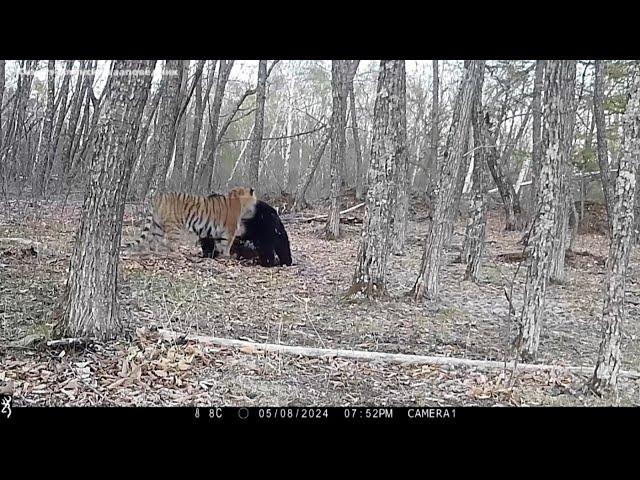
309 132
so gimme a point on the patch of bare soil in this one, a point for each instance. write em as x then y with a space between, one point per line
300 305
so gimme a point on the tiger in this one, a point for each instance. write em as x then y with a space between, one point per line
217 216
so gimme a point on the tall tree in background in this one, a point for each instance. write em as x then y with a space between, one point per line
89 307
601 136
540 245
560 240
342 73
388 145
61 108
165 131
434 132
442 217
536 141
198 113
258 127
176 180
75 107
356 143
401 202
510 199
42 156
473 246
609 356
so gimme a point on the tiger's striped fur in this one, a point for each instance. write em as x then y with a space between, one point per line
217 216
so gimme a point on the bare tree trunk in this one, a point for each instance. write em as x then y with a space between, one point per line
42 155
428 277
197 125
168 111
601 136
181 128
510 200
62 108
536 153
258 128
473 247
82 140
206 169
540 245
434 133
74 113
288 145
356 143
72 140
339 85
401 200
388 146
607 368
305 180
142 140
239 160
560 238
89 307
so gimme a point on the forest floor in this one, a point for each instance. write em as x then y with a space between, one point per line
300 306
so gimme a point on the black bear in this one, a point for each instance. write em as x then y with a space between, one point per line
264 231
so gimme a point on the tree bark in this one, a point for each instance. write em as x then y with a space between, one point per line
89 307
356 144
428 277
401 197
388 146
473 247
165 133
258 127
177 173
339 86
434 133
197 125
560 239
609 360
540 245
601 137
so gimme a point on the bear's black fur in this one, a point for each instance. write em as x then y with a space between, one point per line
267 234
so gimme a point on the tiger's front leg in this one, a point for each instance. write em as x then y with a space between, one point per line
171 238
227 244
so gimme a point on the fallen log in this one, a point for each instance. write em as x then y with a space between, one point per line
376 356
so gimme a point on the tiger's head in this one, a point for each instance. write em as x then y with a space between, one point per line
247 198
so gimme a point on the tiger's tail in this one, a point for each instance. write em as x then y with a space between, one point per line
151 232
